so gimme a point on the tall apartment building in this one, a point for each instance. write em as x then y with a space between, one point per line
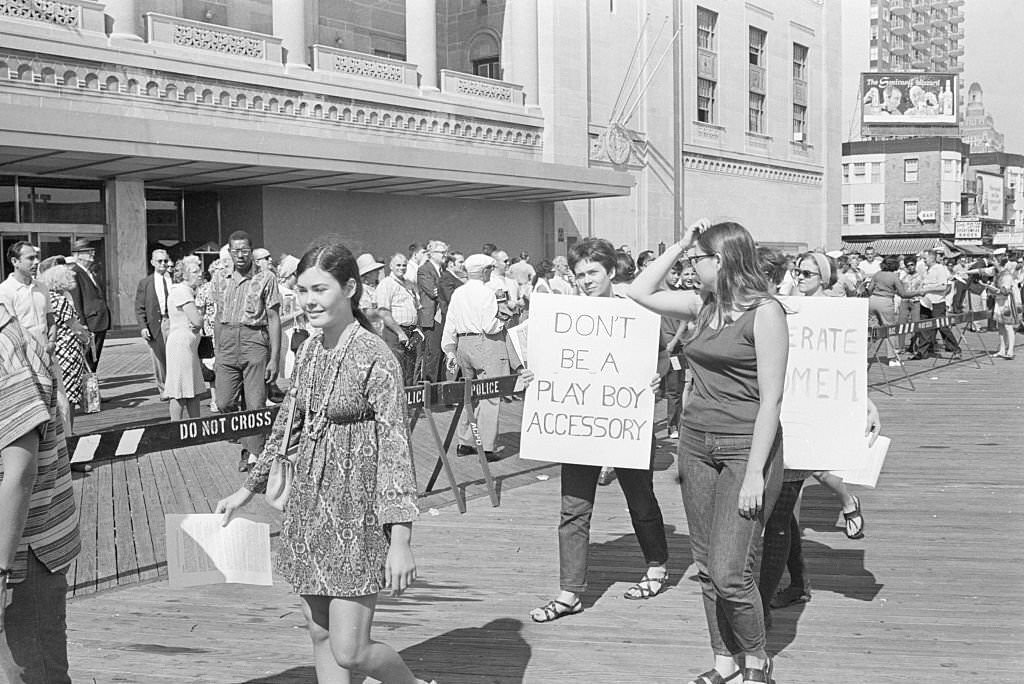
916 35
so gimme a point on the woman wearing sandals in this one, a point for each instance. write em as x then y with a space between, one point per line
730 444
594 262
348 520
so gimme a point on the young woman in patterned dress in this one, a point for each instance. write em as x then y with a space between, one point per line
348 520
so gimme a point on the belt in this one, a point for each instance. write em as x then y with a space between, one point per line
244 325
406 327
469 334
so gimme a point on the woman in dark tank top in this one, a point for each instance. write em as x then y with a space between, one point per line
730 445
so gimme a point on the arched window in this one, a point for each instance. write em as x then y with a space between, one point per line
485 54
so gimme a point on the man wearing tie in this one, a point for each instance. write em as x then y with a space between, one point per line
431 315
151 313
89 299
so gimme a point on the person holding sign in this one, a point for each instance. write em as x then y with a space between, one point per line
594 260
348 520
730 444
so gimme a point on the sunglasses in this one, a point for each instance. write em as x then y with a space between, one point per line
797 273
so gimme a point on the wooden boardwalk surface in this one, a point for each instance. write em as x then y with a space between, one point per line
933 593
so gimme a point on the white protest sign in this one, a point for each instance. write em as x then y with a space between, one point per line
590 401
825 401
202 551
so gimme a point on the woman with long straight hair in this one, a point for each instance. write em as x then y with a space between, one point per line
730 444
348 520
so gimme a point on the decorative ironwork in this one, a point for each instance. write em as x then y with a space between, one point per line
50 11
369 68
218 41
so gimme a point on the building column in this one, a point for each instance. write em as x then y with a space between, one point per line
421 40
519 47
122 19
289 17
126 246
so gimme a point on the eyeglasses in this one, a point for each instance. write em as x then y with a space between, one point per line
240 252
807 275
162 261
692 260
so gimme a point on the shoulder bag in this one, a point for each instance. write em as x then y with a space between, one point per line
282 470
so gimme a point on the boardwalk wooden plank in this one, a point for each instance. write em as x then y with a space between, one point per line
124 534
106 541
141 494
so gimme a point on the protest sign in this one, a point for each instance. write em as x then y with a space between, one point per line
825 400
590 401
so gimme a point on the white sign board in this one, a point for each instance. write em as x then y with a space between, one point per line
967 229
825 399
590 401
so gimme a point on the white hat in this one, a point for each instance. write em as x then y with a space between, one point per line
478 262
998 251
835 253
367 264
260 253
287 266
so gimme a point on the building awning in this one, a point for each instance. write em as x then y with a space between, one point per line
204 156
887 246
969 250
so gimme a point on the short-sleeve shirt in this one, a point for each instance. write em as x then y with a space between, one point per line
29 303
245 299
28 401
397 298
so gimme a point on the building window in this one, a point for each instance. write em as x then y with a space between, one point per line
799 62
876 172
799 123
846 173
55 200
949 169
706 100
707 22
755 123
874 53
949 211
858 170
757 41
846 214
910 211
909 170
876 213
858 213
874 30
390 55
488 67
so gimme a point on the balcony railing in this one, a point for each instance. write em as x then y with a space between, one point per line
162 28
478 87
81 15
363 65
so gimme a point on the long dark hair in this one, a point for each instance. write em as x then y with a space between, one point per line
329 254
740 277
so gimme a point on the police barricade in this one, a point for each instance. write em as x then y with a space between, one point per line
881 336
420 399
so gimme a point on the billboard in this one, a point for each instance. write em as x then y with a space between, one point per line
909 98
990 195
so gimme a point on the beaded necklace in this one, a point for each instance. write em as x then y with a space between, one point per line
320 379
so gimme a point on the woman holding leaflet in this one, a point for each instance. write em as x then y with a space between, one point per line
730 444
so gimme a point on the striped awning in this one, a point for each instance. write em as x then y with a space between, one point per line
887 246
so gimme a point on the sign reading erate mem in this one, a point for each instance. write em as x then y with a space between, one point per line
590 402
825 400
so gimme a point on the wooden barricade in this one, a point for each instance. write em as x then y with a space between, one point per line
420 399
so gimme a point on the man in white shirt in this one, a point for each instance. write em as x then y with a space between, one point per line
474 338
935 286
152 316
398 307
499 282
25 297
562 282
871 264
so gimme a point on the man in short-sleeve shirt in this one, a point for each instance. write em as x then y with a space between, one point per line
38 525
25 297
248 336
398 306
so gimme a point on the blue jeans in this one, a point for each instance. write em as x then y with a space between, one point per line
34 643
725 544
579 486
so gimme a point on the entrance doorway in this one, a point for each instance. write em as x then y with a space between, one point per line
51 244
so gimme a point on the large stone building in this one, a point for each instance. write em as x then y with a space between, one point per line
978 128
529 123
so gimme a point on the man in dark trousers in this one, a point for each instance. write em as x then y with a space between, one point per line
248 336
430 317
90 299
151 313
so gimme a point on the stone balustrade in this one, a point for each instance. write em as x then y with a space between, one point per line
162 28
478 87
81 15
362 65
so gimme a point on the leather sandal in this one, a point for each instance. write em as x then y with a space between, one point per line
555 609
648 587
854 521
759 676
712 677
